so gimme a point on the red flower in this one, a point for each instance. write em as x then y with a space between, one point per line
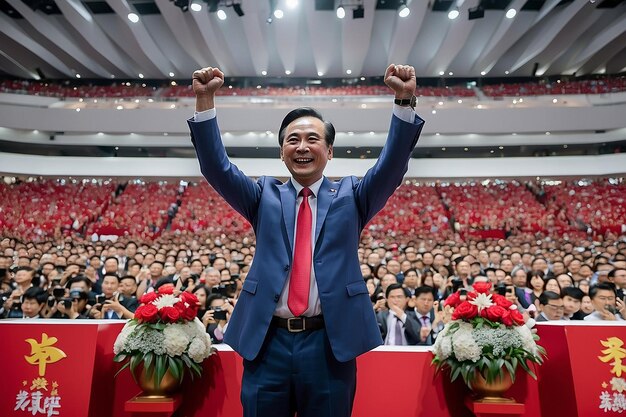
189 298
169 314
517 317
493 313
148 297
501 301
166 289
453 300
482 287
146 313
507 319
465 311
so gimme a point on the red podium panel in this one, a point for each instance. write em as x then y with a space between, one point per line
585 373
57 367
79 367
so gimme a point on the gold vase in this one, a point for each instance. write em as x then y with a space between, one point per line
492 392
151 390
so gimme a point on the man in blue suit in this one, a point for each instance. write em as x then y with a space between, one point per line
304 313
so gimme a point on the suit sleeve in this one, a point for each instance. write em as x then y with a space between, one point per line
412 330
385 176
241 192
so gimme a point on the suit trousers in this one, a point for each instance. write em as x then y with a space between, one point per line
297 373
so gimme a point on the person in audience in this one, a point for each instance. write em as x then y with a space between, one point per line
553 285
617 277
550 306
411 280
535 283
398 325
606 306
564 280
32 302
112 307
148 280
217 316
572 299
128 292
586 306
429 315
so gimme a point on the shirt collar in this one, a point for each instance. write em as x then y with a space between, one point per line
315 187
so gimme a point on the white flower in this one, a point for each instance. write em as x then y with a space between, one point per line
165 300
176 340
464 345
198 350
120 342
528 343
482 301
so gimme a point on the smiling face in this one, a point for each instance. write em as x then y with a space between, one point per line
305 150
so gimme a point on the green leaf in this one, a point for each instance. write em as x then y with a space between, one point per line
160 369
134 361
173 367
119 357
147 360
126 365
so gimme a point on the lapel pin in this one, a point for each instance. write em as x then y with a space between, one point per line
332 190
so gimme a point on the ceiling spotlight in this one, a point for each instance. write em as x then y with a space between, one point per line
483 73
292 4
221 14
348 71
404 11
195 6
453 14
263 72
171 74
510 14
441 73
320 74
278 14
133 17
341 12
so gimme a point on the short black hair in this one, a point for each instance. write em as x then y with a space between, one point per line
112 257
425 289
35 293
612 272
575 293
546 296
396 286
111 274
79 278
129 277
607 286
329 129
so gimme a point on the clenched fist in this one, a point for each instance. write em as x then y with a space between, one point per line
401 79
207 81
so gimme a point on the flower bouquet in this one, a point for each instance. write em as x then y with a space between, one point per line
486 337
165 335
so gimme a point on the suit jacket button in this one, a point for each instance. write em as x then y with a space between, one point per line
277 297
286 268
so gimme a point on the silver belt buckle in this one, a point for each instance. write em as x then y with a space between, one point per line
295 319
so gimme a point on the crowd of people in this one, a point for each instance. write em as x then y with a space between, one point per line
549 279
169 90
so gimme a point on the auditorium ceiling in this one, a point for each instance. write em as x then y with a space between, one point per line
95 39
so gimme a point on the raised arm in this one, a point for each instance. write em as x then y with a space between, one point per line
385 176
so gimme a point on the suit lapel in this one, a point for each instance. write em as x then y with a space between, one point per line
325 196
288 204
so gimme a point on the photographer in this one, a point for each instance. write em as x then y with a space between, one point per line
217 316
22 281
112 306
73 307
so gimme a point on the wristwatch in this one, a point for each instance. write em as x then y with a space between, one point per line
406 102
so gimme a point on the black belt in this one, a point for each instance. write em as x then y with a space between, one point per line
299 324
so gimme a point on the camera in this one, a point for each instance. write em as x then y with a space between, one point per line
456 284
67 303
100 299
463 291
501 289
51 301
219 314
58 292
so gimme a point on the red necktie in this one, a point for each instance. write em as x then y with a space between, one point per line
298 299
